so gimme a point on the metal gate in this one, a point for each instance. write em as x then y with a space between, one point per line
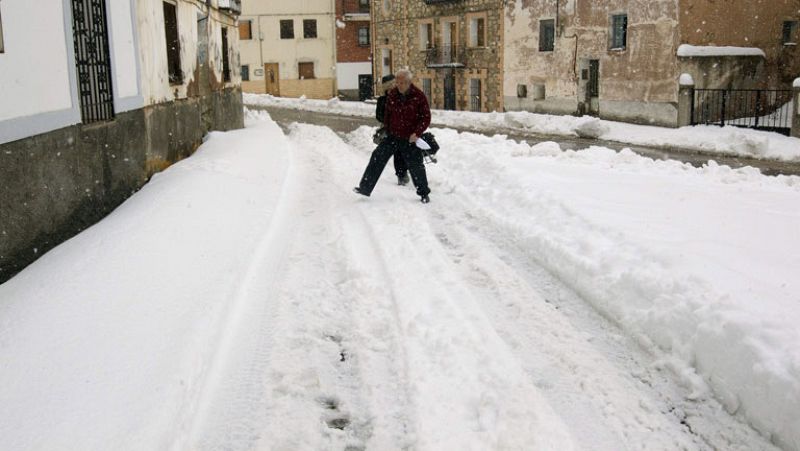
92 60
763 109
449 90
364 87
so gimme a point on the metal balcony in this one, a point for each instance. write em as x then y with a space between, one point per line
448 56
232 6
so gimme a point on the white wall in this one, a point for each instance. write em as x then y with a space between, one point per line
34 70
153 53
347 74
124 56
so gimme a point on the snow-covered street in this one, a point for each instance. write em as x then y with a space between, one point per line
544 300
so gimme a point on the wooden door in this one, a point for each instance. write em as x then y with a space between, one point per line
272 79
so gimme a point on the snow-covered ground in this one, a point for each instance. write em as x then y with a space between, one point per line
710 139
544 300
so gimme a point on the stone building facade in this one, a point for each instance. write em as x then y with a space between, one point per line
353 63
622 60
98 95
454 48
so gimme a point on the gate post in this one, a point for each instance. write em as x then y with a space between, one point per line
685 101
796 100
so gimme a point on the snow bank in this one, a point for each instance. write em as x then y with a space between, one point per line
709 139
106 340
688 51
700 264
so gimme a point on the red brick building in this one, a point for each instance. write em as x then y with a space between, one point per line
353 39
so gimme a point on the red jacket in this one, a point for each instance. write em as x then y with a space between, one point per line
407 114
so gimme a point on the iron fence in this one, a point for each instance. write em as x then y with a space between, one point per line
759 109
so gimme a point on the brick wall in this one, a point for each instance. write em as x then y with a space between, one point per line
347 48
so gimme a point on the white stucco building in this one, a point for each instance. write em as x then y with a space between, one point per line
96 96
288 48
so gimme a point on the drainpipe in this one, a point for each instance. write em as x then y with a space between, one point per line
558 22
335 57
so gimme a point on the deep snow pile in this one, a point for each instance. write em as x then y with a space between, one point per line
105 340
699 262
710 139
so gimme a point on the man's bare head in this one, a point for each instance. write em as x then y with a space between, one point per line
403 79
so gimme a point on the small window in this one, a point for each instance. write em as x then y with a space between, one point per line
619 31
425 36
547 35
287 29
245 72
306 71
226 63
310 28
363 5
477 32
789 32
387 6
173 44
245 30
363 36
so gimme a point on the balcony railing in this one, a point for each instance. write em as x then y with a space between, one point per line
447 56
234 6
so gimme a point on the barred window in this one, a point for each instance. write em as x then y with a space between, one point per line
287 29
310 28
363 36
619 31
789 32
547 35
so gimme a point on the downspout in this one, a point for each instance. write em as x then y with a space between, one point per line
335 56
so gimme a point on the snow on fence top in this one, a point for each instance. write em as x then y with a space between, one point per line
686 80
796 83
686 50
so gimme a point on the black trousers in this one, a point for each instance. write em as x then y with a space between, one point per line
400 167
410 155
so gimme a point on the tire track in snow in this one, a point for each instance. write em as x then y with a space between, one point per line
469 392
589 369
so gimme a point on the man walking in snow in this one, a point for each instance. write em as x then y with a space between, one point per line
400 168
406 118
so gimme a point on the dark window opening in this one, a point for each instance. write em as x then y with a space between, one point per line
363 5
310 28
790 32
173 44
226 63
619 31
306 71
92 60
287 29
246 30
478 32
363 36
547 35
245 72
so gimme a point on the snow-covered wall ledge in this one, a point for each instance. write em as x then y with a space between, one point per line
708 51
